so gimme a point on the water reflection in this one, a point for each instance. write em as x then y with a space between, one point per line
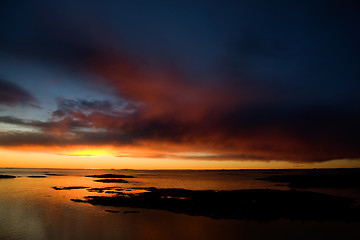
31 209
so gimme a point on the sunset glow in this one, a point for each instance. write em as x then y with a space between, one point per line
217 88
90 152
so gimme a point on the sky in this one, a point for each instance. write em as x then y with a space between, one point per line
179 84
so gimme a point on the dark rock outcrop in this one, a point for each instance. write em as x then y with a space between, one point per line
111 181
69 188
7 176
110 176
259 204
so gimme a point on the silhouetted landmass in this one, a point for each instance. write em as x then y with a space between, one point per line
69 188
336 178
35 176
7 176
113 192
98 190
110 176
53 174
77 200
273 171
111 211
101 190
111 181
263 204
127 212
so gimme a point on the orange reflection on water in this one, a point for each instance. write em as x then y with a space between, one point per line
31 209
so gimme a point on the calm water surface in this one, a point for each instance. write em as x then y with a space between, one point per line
31 209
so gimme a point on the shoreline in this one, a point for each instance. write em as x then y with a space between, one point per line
252 204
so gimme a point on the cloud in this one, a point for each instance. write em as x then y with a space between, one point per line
163 112
12 94
238 134
71 107
261 102
74 115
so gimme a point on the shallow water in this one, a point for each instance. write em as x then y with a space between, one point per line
31 209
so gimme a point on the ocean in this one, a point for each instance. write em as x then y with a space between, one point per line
39 205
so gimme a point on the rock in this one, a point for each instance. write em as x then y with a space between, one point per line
111 181
69 188
257 204
7 176
111 211
110 176
77 200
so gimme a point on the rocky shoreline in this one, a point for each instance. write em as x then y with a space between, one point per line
255 204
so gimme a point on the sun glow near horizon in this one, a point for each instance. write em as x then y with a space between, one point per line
106 158
90 152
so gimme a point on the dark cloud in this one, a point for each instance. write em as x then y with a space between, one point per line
240 80
12 94
48 139
60 127
259 134
72 115
66 107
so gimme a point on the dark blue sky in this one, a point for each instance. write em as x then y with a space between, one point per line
239 79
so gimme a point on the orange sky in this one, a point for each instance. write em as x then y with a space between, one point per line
176 89
101 159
